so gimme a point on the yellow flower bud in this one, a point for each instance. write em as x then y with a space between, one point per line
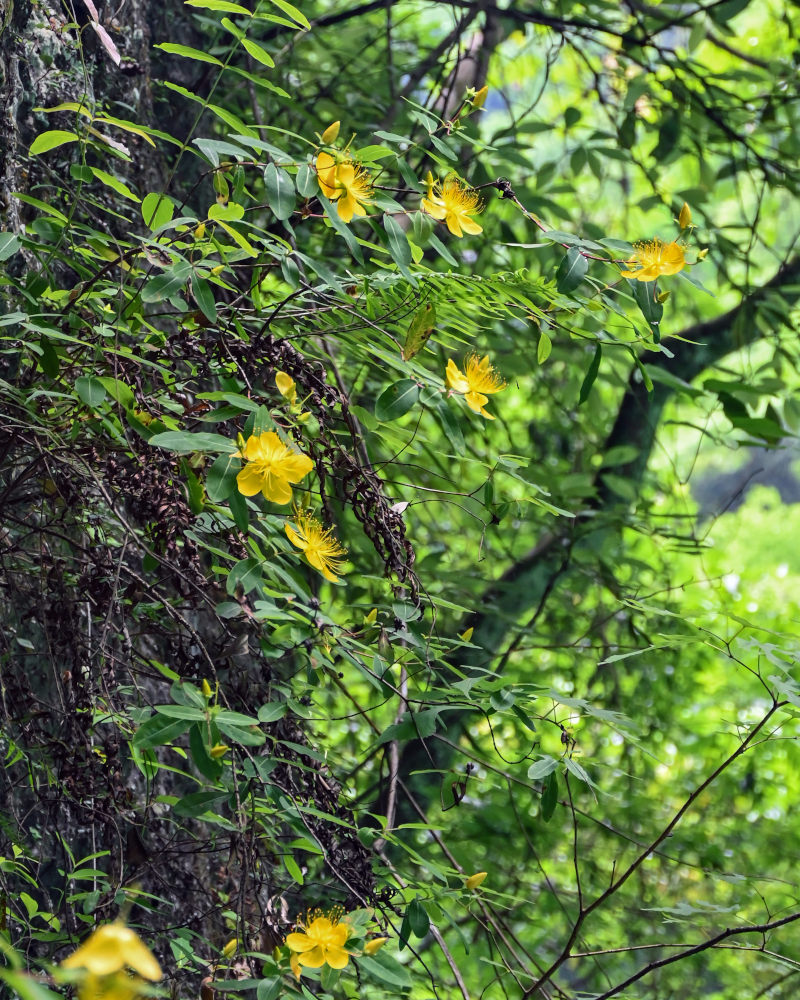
205 687
662 297
479 98
286 386
331 133
374 945
218 269
371 617
219 750
230 947
200 231
466 635
475 880
701 254
685 218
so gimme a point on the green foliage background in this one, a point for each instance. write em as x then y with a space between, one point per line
548 659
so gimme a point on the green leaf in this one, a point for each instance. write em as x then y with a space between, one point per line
280 191
169 282
184 443
571 271
418 918
245 737
542 767
188 52
203 761
549 796
293 13
269 989
293 869
545 346
221 477
420 329
385 968
306 180
9 244
651 308
259 54
272 711
226 5
591 375
245 574
396 400
398 246
204 297
48 359
157 210
115 184
341 228
50 140
181 712
196 803
158 731
90 389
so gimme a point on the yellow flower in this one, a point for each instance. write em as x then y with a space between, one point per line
453 202
346 183
286 386
476 381
270 467
475 880
656 258
105 955
320 546
374 945
355 188
321 942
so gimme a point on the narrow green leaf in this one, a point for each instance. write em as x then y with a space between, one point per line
188 52
115 184
204 297
221 477
293 869
293 13
545 346
549 796
398 243
259 54
280 191
184 443
591 375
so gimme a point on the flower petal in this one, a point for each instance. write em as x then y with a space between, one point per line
337 958
275 488
249 480
300 942
313 959
456 381
453 224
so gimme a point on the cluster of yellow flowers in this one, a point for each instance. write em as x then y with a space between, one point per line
272 468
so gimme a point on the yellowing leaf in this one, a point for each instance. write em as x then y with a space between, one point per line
420 329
